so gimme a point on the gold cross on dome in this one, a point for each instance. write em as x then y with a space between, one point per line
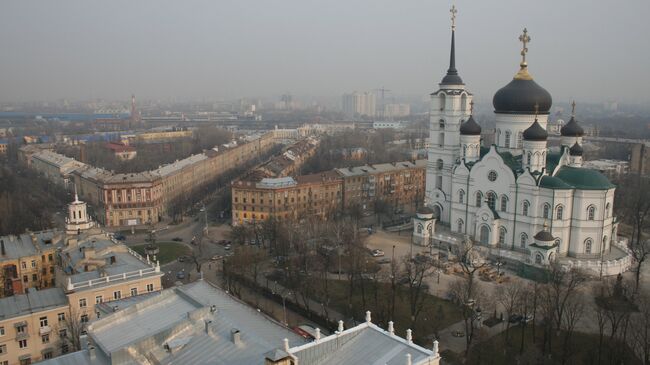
453 12
524 38
573 108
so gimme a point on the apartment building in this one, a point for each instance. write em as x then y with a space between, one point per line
56 167
28 261
291 160
287 198
32 326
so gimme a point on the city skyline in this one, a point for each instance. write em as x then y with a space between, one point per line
78 51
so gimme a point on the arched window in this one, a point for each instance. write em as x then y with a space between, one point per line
464 150
539 258
420 227
591 213
502 236
442 101
439 182
485 235
441 139
559 210
504 203
441 124
530 158
463 102
604 242
492 198
498 133
507 142
546 211
607 206
524 240
460 225
479 198
588 244
520 140
439 164
461 196
526 206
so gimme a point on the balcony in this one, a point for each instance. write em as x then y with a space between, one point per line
44 330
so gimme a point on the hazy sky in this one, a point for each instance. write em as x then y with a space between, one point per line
590 50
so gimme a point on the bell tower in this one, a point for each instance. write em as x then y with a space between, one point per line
77 219
450 107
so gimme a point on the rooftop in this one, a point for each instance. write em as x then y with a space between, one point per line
29 244
34 301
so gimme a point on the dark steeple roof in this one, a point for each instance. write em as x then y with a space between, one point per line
535 132
575 150
470 127
572 129
452 77
544 235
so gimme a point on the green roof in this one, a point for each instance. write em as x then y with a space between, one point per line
553 182
514 162
552 159
584 179
484 151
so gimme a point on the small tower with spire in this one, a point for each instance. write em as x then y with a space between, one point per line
77 219
450 107
470 137
572 132
534 154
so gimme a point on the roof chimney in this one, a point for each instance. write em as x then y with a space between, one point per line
91 352
409 336
391 327
236 336
408 359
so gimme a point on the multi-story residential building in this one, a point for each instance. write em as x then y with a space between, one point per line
291 160
134 199
28 261
357 103
398 184
32 326
315 195
4 143
198 324
640 159
396 110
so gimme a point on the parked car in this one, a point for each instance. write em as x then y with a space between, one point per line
180 275
227 247
458 334
216 258
377 253
119 236
182 258
515 318
177 239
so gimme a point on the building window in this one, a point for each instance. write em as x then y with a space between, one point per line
43 321
82 303
441 124
45 338
461 196
63 333
420 228
441 139
559 211
591 213
525 210
492 197
588 244
607 210
84 318
504 203
492 175
23 265
439 164
22 344
507 142
502 235
134 292
117 295
439 182
3 349
33 263
99 299
479 198
2 331
21 329
520 140
47 355
460 225
524 240
546 211
149 288
61 317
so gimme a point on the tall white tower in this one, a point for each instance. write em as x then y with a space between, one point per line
449 108
78 219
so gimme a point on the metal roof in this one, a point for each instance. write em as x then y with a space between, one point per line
34 301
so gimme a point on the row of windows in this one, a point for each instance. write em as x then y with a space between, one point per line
546 209
508 137
83 303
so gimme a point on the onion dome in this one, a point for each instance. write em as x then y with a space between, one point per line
572 128
544 235
575 150
424 212
535 132
522 93
452 77
470 127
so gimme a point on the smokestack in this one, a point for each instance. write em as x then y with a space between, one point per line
236 336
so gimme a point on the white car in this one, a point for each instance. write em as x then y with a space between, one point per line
377 253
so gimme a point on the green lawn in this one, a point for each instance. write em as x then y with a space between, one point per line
169 251
583 349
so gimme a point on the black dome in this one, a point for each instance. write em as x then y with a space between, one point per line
572 129
544 236
424 210
470 127
520 97
452 79
575 150
535 132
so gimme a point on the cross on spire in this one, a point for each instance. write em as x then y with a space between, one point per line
524 38
573 108
471 107
453 12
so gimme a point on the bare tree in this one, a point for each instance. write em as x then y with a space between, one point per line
200 254
415 270
641 330
71 329
573 311
510 296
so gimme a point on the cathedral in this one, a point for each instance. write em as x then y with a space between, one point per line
517 194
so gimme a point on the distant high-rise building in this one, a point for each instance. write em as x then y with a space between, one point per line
396 110
359 103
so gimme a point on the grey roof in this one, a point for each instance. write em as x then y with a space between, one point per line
274 183
384 167
29 244
361 345
34 301
75 358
